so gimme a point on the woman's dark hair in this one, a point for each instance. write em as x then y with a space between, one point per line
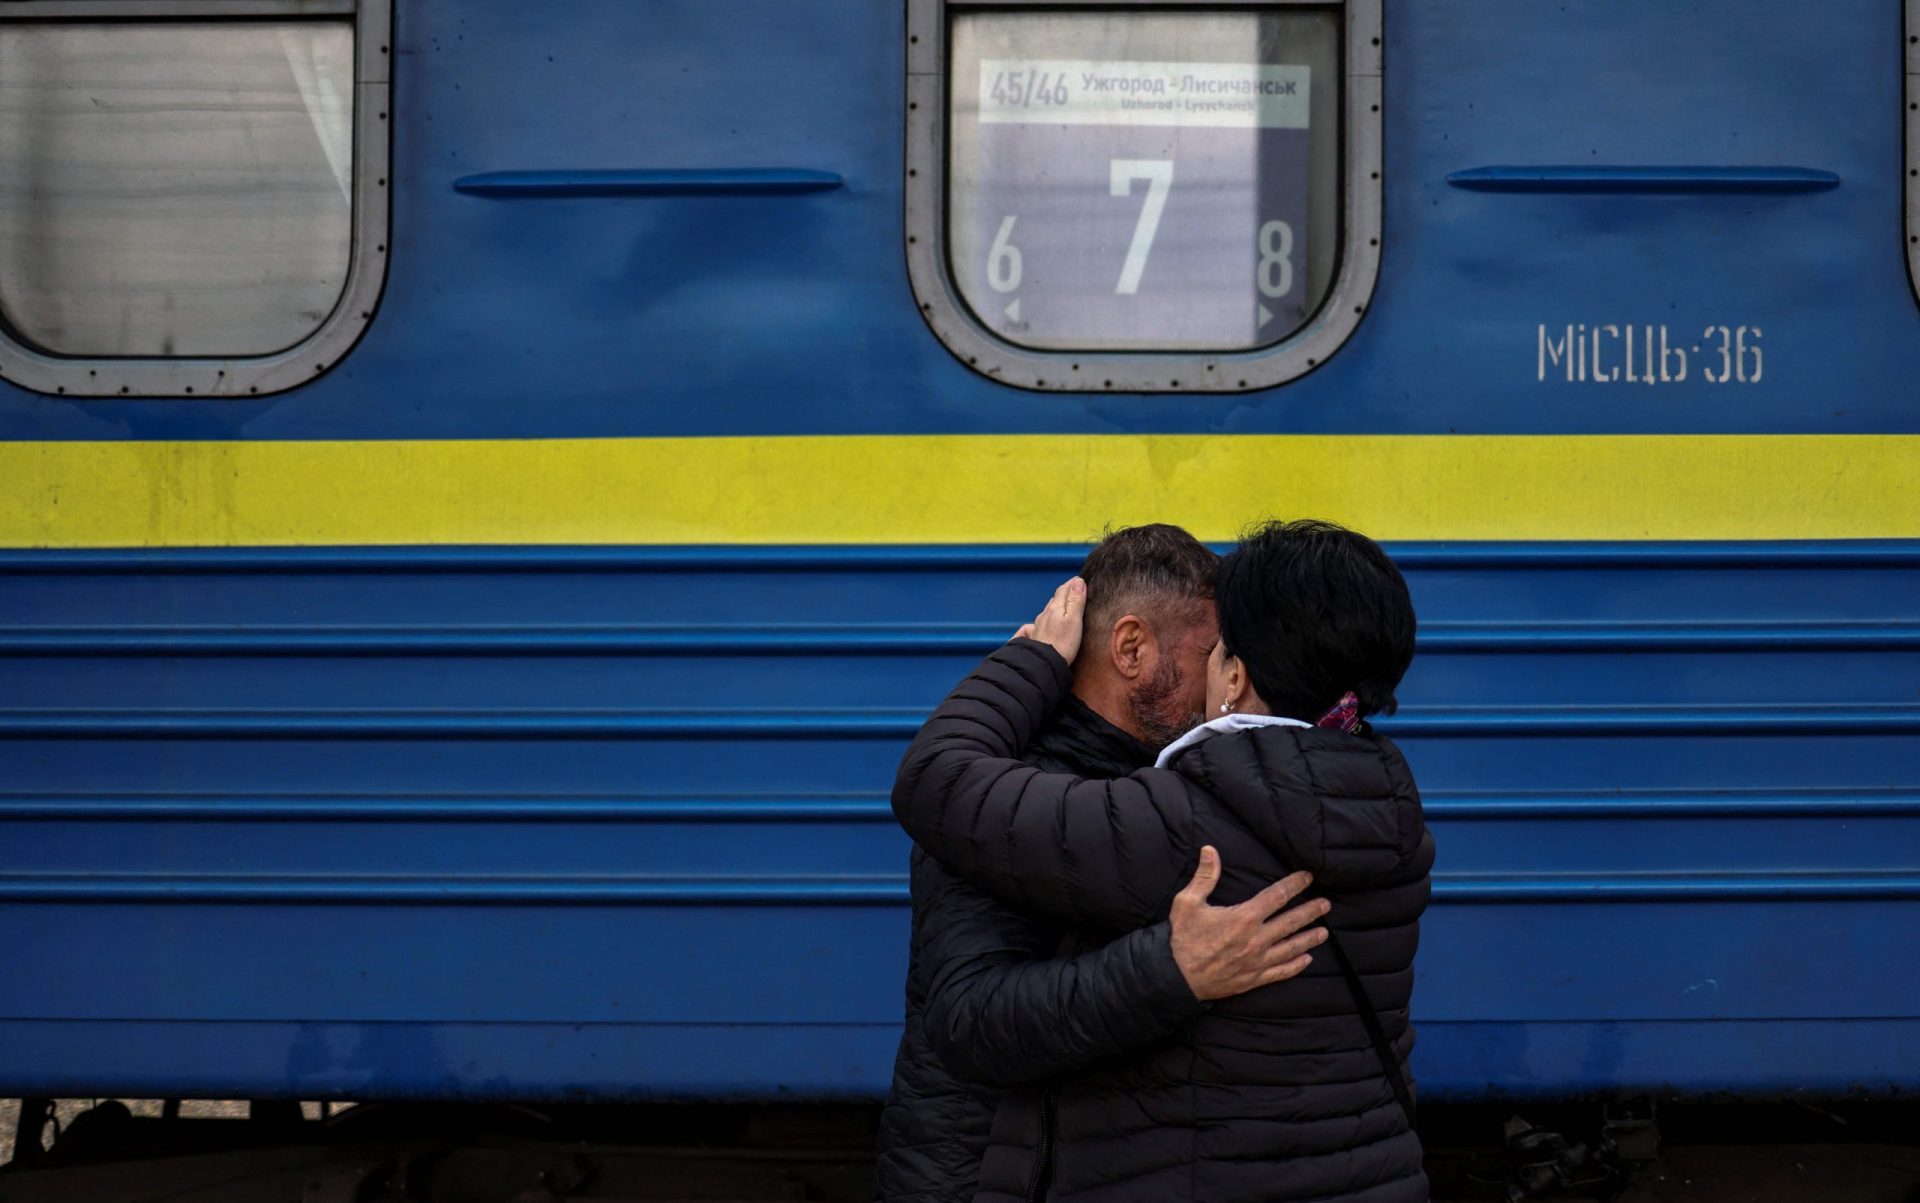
1314 610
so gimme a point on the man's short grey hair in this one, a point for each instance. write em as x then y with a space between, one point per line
1157 571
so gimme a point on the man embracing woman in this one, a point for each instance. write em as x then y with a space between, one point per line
1101 958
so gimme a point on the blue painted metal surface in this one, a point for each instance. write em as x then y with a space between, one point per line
773 314
1636 813
674 722
606 822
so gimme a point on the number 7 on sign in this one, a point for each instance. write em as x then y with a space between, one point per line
1159 176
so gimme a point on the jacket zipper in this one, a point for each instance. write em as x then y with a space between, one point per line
1040 1185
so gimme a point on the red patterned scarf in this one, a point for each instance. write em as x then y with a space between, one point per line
1345 715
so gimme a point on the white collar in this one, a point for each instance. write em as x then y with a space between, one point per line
1221 726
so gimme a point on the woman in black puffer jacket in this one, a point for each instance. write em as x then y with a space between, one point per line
1279 1094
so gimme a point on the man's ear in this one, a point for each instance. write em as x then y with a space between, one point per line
1131 647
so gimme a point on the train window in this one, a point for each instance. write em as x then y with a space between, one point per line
179 189
189 206
1110 196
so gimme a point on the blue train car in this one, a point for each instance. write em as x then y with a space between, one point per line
488 490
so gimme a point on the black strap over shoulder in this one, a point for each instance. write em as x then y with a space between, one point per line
1382 1048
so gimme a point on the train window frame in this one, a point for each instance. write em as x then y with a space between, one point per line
239 377
1910 97
1142 371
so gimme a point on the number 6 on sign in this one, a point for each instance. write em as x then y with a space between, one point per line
1003 258
1159 176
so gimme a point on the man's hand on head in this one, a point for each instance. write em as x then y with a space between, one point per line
1227 950
1060 624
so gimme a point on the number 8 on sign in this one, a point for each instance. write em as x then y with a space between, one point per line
1276 259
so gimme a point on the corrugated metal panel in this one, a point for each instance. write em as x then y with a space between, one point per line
471 796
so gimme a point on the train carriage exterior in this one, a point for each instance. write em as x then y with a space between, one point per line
483 681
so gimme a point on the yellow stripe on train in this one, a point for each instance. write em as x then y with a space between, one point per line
952 489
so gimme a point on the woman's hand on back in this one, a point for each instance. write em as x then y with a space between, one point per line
1060 624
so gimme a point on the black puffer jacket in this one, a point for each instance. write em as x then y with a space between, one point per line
989 1004
1275 1095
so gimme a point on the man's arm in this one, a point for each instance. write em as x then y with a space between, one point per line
1106 853
1003 1010
999 1013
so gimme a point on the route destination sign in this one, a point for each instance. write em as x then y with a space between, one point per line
1129 204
